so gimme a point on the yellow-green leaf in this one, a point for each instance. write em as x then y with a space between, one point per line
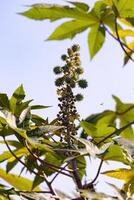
18 182
70 29
96 39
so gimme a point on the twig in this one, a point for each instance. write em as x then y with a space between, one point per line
59 172
19 160
115 132
92 182
106 29
53 167
118 37
43 176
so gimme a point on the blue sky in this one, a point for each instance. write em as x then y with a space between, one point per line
25 57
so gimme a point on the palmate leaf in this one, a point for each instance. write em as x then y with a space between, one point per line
4 101
17 182
123 174
130 52
91 148
117 153
6 155
127 144
96 39
54 12
99 125
69 29
125 8
17 97
125 113
80 5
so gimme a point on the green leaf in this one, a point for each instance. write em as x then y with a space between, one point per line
6 155
19 93
37 181
38 120
36 107
17 97
96 39
18 182
116 153
11 165
125 113
89 128
54 12
80 5
69 29
130 52
123 174
4 102
125 8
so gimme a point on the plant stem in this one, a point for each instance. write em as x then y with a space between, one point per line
92 182
106 29
122 46
51 166
36 173
76 174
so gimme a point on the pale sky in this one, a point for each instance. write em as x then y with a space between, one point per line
25 57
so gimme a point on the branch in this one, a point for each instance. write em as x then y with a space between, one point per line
59 172
51 166
76 174
119 40
36 173
117 131
88 185
106 29
19 160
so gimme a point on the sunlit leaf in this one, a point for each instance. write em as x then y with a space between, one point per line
129 51
54 12
25 113
80 5
91 148
18 182
125 113
123 174
96 39
69 29
116 153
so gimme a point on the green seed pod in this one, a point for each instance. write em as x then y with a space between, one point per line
75 47
72 84
68 79
59 82
82 83
79 97
64 57
70 52
79 70
57 70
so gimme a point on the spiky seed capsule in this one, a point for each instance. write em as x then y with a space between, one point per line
64 57
59 82
79 97
79 70
57 70
82 83
75 47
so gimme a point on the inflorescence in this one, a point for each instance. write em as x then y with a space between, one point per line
68 80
